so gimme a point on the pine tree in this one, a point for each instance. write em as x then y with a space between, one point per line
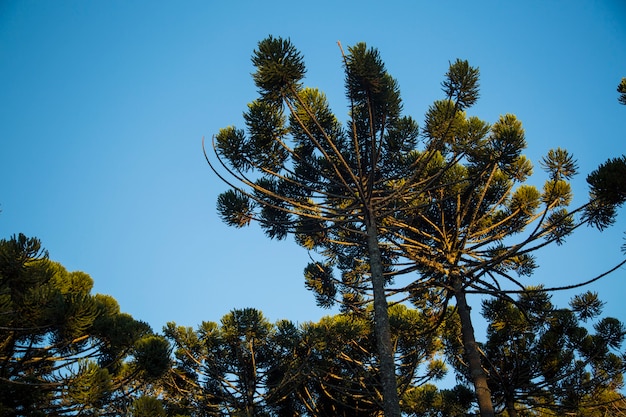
230 368
481 232
245 365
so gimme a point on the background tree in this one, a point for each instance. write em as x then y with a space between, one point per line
247 366
147 406
298 171
342 370
62 349
543 357
236 367
429 401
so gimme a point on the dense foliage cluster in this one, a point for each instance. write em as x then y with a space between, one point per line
63 350
68 352
247 365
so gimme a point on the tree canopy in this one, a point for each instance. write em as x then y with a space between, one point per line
337 189
66 351
63 350
376 198
541 357
245 365
392 215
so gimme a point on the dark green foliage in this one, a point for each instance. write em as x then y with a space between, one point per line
540 357
607 192
428 401
344 367
302 173
152 356
461 84
234 208
62 349
318 278
476 206
375 202
587 305
228 368
621 89
483 224
246 366
279 68
559 164
147 407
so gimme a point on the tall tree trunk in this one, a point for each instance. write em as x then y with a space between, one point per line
391 401
510 408
472 354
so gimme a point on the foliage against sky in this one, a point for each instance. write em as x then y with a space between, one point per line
100 145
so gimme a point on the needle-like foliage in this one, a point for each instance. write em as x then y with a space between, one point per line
297 170
543 357
63 350
245 365
621 89
375 199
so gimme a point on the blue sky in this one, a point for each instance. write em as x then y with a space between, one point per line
104 104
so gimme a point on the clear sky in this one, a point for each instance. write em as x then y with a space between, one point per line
103 105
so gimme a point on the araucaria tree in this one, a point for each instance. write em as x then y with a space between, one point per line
63 350
246 366
543 357
483 225
375 198
337 189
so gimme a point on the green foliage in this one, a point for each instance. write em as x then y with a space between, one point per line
373 201
227 367
64 350
301 173
507 141
231 144
373 93
279 68
621 89
461 84
428 401
586 305
152 356
91 388
145 406
244 365
559 164
607 191
542 357
318 278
